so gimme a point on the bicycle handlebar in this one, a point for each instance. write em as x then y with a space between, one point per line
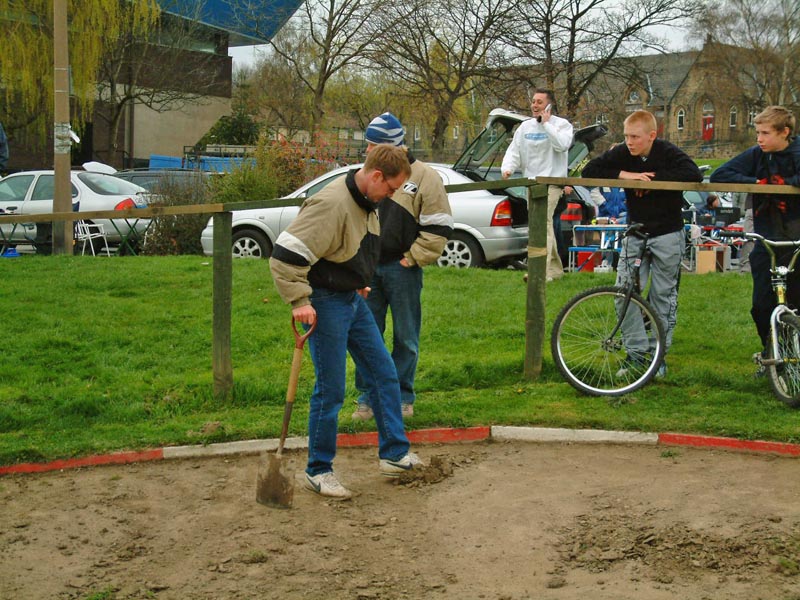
760 238
635 230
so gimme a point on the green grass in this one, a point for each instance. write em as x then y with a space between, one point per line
109 354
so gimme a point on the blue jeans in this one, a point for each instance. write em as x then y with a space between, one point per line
397 288
345 324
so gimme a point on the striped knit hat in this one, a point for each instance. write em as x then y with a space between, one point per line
385 129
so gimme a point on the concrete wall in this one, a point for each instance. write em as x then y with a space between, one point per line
168 133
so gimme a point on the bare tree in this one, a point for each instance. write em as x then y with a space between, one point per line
440 49
276 94
158 71
325 37
571 42
757 48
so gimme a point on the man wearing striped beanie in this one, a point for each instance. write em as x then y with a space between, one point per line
416 222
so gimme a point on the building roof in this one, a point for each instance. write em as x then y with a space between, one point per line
244 25
662 74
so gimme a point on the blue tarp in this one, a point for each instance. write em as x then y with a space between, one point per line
247 22
202 163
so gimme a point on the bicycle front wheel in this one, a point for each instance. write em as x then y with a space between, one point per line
589 346
785 375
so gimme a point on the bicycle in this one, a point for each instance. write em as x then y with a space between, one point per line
608 340
782 362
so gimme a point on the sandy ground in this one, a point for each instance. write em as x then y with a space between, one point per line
507 521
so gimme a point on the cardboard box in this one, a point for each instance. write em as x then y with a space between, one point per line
710 259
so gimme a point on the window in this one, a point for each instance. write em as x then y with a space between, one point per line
708 107
417 134
601 119
633 97
733 117
45 188
14 188
455 132
681 119
751 117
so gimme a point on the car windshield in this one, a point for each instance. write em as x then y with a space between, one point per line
108 185
487 150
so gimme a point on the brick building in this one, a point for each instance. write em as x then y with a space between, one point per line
699 105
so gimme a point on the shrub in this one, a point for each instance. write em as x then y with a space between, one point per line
179 234
276 169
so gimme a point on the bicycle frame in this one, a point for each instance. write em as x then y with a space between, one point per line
635 285
779 273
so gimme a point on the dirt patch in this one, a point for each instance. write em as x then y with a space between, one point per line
501 521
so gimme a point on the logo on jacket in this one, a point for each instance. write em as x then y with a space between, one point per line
410 188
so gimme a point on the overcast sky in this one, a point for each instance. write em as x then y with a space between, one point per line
248 55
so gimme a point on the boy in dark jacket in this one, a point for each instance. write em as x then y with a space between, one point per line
775 159
644 158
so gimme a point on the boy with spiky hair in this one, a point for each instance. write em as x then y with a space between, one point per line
644 157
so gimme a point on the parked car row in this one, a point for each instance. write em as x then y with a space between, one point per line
490 226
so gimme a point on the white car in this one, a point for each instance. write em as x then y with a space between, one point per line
31 193
484 228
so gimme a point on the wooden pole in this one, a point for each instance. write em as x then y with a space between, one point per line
62 143
537 281
222 293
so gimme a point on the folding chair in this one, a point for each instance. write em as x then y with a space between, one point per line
87 233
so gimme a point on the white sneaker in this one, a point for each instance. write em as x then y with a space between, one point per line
393 468
408 410
326 484
363 413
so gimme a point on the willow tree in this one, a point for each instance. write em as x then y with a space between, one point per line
26 54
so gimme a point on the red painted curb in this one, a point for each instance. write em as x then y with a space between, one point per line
702 441
117 458
434 436
420 436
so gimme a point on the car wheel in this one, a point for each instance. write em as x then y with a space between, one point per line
461 251
250 243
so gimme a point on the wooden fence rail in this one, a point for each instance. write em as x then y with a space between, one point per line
537 251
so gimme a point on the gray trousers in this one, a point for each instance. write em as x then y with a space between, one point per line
747 247
662 266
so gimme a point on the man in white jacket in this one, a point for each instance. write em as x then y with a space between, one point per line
540 148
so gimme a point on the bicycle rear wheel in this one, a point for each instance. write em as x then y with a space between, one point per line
785 377
593 360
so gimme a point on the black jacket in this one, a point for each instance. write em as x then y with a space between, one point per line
773 215
658 210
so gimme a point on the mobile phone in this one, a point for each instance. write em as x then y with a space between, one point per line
546 109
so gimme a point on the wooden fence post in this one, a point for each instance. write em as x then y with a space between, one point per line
222 294
537 280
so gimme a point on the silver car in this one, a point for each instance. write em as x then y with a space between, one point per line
484 231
